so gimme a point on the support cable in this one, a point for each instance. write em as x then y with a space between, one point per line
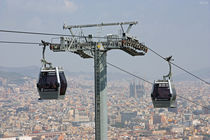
180 67
49 34
148 48
18 42
34 43
129 73
138 77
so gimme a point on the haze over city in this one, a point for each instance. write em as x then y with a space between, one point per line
177 28
119 97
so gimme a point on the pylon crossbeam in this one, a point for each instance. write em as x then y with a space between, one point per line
98 25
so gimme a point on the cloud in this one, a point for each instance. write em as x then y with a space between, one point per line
204 2
70 5
46 6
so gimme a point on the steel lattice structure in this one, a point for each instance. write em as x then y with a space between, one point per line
90 47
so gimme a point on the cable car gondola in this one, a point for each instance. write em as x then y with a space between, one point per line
163 93
52 83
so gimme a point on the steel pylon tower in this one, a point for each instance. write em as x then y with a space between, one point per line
97 47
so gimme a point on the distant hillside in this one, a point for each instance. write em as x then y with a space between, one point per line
202 73
12 77
30 71
15 75
90 75
33 72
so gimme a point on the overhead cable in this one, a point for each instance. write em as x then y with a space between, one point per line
148 48
129 73
179 67
152 83
18 42
48 34
34 43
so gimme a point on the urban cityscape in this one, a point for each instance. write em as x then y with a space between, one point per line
74 94
131 115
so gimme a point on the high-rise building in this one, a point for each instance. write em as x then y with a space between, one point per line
133 89
140 92
136 90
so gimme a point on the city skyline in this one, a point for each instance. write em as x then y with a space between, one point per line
73 118
99 104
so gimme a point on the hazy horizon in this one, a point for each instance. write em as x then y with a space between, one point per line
177 28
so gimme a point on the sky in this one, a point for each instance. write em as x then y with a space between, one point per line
179 28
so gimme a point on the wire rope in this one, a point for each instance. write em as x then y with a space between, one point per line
35 43
152 83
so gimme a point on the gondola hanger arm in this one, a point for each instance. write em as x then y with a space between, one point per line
169 75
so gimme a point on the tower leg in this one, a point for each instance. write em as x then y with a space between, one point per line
100 68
